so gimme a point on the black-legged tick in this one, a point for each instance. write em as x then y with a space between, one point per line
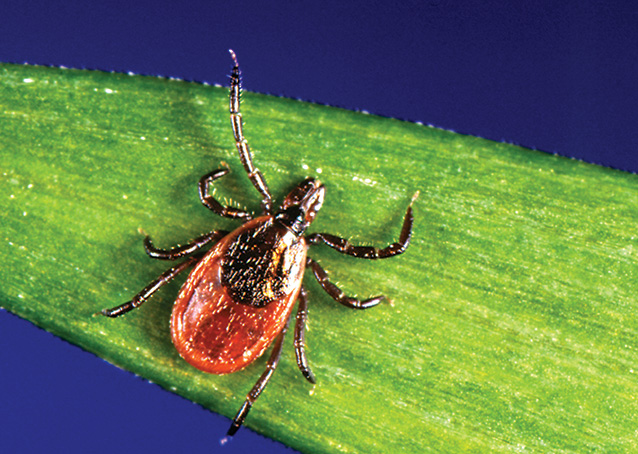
239 297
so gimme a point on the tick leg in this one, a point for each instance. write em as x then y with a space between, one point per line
336 293
150 289
368 252
209 201
182 251
260 385
254 174
300 338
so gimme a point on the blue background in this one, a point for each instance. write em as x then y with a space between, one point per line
557 76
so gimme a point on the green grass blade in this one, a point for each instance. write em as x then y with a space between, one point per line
512 325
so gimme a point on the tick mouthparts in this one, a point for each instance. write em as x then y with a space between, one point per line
314 199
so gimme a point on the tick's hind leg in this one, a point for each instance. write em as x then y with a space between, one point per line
368 252
336 293
150 289
209 201
254 174
260 385
300 338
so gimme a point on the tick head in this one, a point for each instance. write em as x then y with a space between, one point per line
301 206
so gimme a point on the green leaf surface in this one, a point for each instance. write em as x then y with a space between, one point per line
511 325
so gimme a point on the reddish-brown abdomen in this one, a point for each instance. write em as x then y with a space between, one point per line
214 331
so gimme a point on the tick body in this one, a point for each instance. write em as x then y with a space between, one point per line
238 299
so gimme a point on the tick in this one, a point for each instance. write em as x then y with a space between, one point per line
239 297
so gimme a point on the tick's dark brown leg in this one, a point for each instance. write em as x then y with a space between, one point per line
254 174
182 251
260 385
368 252
300 342
209 201
336 293
150 289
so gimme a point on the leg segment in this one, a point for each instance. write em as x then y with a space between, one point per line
254 174
336 293
300 338
182 251
209 201
368 252
260 385
150 289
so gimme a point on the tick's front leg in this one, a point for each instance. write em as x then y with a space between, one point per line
255 176
368 252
